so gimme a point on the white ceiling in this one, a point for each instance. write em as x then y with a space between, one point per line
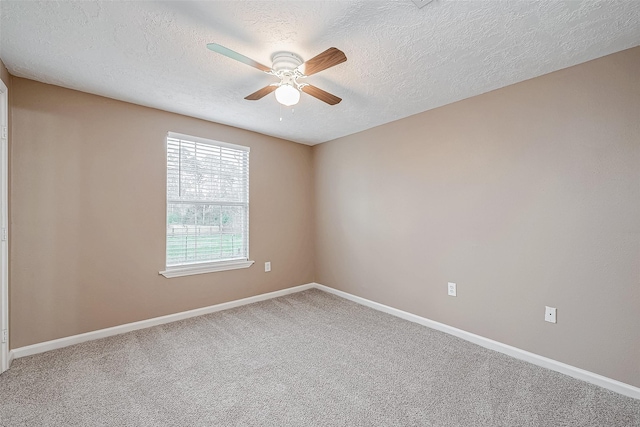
402 60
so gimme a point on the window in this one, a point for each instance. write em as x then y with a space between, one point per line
207 206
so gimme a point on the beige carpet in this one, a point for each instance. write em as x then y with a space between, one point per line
307 359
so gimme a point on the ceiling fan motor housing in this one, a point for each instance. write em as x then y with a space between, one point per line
285 61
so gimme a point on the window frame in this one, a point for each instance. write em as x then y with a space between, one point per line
204 266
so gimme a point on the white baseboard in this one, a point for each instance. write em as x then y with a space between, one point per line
121 329
545 362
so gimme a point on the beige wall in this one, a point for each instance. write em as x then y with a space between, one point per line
88 215
526 196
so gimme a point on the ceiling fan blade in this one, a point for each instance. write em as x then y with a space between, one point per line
327 59
262 92
238 57
321 94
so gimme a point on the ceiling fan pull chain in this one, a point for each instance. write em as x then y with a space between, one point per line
280 112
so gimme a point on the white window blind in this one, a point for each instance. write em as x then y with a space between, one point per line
207 201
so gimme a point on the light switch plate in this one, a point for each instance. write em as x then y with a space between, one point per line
267 266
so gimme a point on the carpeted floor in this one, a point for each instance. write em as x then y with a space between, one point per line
307 359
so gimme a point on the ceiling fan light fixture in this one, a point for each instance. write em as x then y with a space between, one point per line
287 95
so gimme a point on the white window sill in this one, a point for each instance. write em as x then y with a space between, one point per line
188 270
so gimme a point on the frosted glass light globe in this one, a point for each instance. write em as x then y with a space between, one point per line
287 95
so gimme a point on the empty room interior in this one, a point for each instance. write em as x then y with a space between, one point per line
320 213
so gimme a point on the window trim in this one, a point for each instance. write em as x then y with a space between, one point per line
207 266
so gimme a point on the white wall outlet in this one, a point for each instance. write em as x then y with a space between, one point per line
451 289
267 266
550 314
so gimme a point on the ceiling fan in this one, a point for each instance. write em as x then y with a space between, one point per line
289 68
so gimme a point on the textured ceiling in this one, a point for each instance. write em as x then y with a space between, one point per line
401 59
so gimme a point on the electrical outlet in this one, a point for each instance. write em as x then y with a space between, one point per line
267 266
451 289
550 314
